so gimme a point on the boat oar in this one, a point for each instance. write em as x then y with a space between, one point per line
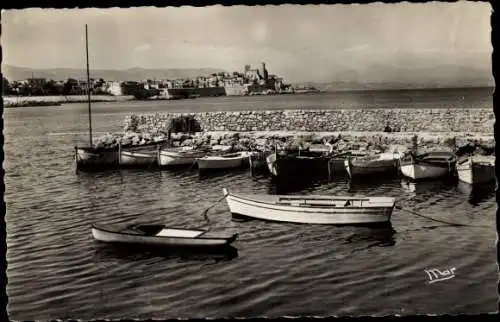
437 220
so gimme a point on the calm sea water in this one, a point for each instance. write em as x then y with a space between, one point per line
56 269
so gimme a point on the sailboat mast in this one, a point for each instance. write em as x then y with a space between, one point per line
88 83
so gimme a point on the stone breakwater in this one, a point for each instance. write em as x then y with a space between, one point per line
478 144
471 130
399 120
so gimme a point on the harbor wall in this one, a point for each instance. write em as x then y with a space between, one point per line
362 120
201 91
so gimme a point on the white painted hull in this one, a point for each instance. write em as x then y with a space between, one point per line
170 158
429 165
423 171
249 207
116 237
221 162
476 171
271 164
137 158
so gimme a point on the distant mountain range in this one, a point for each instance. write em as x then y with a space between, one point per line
378 76
132 74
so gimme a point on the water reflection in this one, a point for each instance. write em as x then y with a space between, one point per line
215 173
127 253
477 193
364 186
382 236
418 188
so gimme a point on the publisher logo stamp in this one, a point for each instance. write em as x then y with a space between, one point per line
436 275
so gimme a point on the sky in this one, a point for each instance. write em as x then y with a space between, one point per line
298 42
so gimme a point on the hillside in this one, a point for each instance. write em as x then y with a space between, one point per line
384 77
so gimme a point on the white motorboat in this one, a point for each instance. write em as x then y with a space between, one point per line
312 209
476 169
428 165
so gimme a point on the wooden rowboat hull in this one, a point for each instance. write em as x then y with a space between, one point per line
291 166
474 171
221 162
355 169
110 236
171 158
94 159
423 171
129 158
267 208
431 165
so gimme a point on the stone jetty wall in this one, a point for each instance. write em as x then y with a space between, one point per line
345 129
399 120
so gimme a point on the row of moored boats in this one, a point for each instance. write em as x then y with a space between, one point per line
316 161
305 209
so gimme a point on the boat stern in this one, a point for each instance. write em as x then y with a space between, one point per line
347 165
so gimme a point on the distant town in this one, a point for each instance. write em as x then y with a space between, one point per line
249 82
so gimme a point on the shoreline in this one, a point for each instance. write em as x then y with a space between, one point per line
32 101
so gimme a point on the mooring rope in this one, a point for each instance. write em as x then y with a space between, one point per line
205 212
437 220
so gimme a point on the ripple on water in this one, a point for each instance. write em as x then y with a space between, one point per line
56 269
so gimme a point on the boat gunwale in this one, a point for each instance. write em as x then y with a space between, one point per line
237 155
132 154
301 208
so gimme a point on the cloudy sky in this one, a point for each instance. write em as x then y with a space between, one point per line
297 42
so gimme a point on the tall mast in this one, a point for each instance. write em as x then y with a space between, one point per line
88 83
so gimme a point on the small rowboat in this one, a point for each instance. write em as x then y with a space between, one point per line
371 165
336 162
182 156
138 156
428 165
312 209
87 158
159 235
300 164
225 161
476 169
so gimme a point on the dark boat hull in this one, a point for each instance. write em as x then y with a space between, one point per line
298 166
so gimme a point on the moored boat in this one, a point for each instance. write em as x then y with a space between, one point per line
223 161
337 160
159 235
87 158
429 165
179 156
312 209
298 165
140 156
476 169
381 163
